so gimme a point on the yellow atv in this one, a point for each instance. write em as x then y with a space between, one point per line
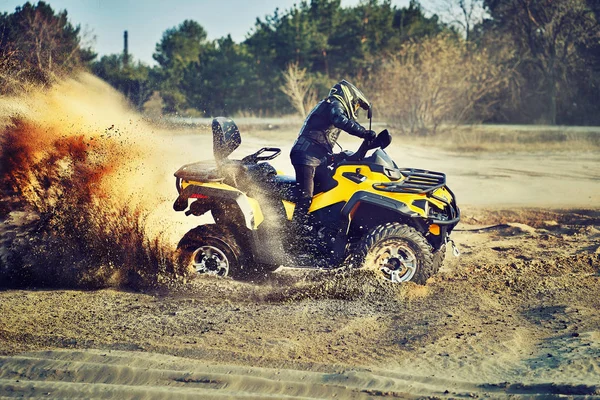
367 213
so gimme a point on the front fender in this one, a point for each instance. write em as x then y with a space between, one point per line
386 203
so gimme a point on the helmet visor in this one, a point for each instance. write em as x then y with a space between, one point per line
358 98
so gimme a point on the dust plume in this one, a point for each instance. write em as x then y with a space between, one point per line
77 183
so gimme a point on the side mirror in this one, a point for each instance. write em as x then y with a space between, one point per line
383 140
370 113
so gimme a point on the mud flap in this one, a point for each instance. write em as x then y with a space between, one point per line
181 203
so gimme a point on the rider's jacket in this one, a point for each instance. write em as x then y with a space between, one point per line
320 132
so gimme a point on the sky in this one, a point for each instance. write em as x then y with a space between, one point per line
147 20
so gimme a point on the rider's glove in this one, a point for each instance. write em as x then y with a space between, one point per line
369 135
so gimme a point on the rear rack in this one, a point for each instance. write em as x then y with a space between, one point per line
416 181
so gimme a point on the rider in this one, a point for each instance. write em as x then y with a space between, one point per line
318 136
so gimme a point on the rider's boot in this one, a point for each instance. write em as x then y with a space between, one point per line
302 226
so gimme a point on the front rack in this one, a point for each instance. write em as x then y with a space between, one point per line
416 181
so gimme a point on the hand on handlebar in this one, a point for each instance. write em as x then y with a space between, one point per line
369 135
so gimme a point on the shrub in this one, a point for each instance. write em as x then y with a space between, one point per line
434 81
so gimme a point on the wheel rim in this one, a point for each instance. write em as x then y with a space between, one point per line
210 260
396 260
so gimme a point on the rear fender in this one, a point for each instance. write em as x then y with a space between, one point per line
214 198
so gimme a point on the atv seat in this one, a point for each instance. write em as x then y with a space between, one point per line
202 171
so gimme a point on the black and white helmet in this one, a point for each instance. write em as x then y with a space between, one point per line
351 98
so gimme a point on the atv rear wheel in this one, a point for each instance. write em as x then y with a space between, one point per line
399 252
212 250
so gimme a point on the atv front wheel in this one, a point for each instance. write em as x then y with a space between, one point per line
438 258
211 250
399 252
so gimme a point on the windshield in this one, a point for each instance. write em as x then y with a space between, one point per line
380 157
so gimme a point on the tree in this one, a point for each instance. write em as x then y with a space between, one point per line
462 14
43 44
180 45
293 37
318 37
178 48
298 88
549 36
374 30
131 79
223 80
331 42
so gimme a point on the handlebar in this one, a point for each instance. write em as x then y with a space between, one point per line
383 140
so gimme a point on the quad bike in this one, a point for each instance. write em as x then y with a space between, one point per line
367 213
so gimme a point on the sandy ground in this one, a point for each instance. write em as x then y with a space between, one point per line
515 315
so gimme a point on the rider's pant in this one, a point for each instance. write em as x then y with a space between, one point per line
305 175
307 157
305 179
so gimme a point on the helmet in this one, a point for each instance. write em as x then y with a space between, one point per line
350 97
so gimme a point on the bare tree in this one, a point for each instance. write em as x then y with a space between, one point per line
43 35
299 89
437 81
37 44
462 14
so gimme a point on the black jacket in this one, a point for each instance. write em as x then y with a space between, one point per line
320 132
